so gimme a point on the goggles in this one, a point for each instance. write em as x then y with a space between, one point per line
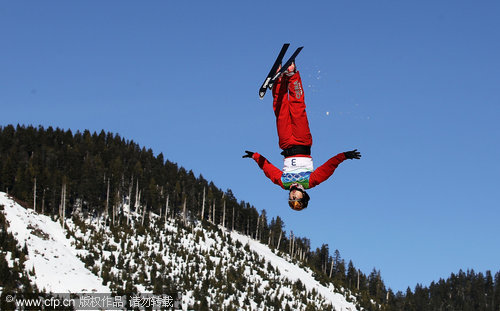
296 205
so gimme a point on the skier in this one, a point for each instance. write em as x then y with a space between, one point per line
295 140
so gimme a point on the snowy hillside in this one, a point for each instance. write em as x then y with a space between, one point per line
292 272
51 255
212 268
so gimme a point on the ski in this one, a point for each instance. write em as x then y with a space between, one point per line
273 70
285 66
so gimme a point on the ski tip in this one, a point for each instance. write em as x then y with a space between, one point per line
262 92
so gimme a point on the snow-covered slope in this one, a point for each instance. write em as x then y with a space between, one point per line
54 259
293 273
215 269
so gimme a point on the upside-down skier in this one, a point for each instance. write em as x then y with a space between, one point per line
295 140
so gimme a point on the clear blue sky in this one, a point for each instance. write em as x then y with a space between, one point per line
414 85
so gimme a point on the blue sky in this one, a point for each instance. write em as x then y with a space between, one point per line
412 85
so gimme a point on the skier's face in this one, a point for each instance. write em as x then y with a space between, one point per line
296 195
296 192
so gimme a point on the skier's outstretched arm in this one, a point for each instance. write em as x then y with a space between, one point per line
326 170
271 171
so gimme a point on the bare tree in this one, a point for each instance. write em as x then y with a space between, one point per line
130 199
213 211
224 213
210 213
43 201
116 207
62 206
232 226
184 215
107 200
137 197
144 214
358 280
203 205
331 270
166 209
257 229
34 196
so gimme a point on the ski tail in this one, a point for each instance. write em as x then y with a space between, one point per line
274 68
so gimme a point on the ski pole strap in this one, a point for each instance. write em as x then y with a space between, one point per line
295 150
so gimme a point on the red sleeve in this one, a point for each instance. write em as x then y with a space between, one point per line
271 171
326 170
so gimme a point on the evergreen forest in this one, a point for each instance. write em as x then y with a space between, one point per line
59 173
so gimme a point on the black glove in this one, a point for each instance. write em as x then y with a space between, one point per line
354 154
248 155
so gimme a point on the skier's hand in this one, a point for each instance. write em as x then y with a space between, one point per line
353 154
248 154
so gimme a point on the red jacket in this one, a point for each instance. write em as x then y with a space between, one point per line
318 176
